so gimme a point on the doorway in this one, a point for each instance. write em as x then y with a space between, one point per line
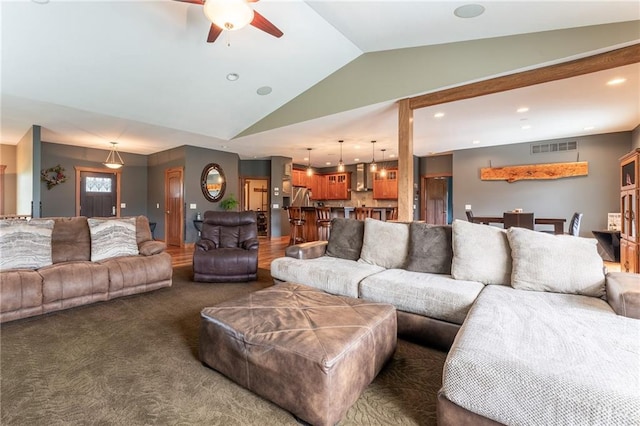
255 196
97 192
174 207
437 199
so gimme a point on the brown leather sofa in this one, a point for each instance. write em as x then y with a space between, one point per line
74 280
227 250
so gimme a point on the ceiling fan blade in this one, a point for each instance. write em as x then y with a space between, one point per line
214 32
263 24
200 2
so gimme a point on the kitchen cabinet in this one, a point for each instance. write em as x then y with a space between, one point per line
318 187
385 187
338 185
299 177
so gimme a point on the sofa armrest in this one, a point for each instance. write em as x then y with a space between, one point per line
623 293
250 244
151 247
310 250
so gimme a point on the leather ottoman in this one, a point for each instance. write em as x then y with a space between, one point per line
310 352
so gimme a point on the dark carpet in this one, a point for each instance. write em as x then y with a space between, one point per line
134 360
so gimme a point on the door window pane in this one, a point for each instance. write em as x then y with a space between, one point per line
97 184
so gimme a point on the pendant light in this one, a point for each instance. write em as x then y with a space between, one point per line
309 169
373 167
113 161
341 163
383 171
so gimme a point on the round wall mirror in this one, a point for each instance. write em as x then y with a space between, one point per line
213 182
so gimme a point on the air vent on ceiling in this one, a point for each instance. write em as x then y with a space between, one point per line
554 147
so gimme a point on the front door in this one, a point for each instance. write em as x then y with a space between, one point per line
173 201
98 194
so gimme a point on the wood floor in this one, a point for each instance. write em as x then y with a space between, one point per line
269 249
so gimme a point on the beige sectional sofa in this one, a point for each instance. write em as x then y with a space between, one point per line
537 331
58 263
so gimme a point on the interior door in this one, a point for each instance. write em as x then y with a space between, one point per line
98 194
436 204
174 202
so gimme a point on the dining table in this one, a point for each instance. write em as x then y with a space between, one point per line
558 223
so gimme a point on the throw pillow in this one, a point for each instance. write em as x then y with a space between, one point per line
430 248
25 244
345 239
112 238
385 244
480 253
556 263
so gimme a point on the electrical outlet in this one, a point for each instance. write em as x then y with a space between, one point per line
157 205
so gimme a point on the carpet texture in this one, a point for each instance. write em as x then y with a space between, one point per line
134 360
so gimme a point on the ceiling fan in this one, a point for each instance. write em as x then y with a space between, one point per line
233 15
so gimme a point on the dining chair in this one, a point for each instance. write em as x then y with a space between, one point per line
574 224
363 212
519 220
323 222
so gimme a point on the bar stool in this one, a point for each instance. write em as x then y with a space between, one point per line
323 222
363 212
296 222
393 215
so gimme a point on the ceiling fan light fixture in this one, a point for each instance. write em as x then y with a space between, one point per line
113 161
228 15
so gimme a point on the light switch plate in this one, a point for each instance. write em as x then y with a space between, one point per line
467 206
123 205
193 206
276 206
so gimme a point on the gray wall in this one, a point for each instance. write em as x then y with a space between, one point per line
279 219
594 195
437 164
635 138
255 168
61 199
156 165
195 161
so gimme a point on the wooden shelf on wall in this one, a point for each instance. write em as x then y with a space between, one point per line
535 171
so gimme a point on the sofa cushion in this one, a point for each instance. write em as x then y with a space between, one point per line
330 274
20 294
345 239
70 284
430 248
384 244
432 295
25 244
534 358
149 248
70 240
137 274
557 263
480 253
112 238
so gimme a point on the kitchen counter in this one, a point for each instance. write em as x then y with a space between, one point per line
309 213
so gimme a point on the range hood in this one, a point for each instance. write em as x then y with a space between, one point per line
364 178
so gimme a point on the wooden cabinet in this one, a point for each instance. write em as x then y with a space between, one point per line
318 187
338 185
385 187
629 208
299 177
333 186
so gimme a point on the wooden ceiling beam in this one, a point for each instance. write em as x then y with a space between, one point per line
600 62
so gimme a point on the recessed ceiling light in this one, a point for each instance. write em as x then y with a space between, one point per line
475 142
392 156
616 81
232 76
589 128
223 146
356 147
526 127
328 163
40 1
356 159
438 114
264 90
469 11
306 158
522 109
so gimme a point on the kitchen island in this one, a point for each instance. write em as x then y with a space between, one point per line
309 215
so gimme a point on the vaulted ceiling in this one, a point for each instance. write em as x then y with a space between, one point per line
141 73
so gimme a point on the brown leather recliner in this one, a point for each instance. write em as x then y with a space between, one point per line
227 250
